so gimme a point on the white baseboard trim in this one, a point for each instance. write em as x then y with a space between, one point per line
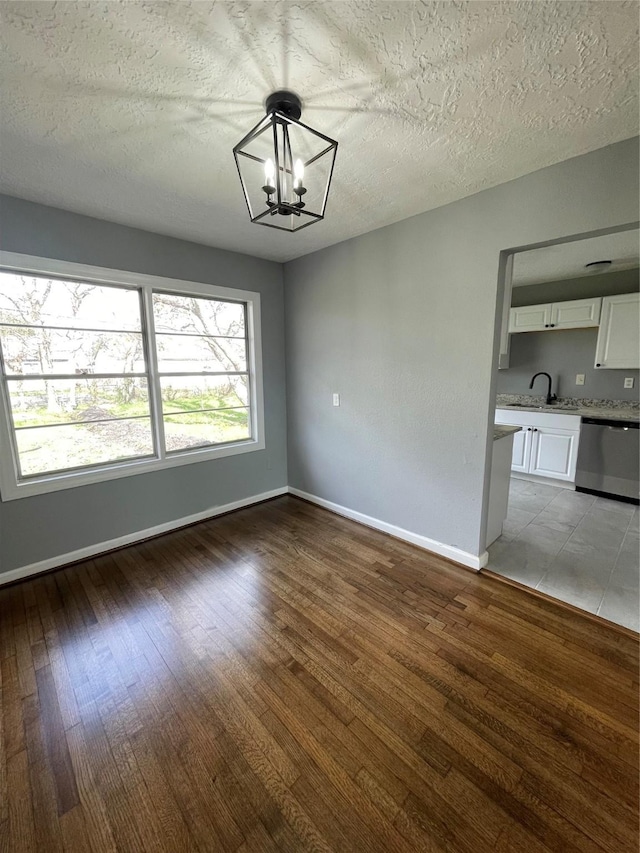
544 481
138 536
464 558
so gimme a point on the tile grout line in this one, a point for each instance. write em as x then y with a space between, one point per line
575 527
533 520
548 571
551 565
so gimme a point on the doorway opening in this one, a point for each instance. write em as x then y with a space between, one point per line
566 382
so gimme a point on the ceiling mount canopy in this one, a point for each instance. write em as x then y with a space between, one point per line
285 102
285 167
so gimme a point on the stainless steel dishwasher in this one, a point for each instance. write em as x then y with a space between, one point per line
609 458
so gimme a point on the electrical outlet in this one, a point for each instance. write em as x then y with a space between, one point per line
579 378
628 382
336 399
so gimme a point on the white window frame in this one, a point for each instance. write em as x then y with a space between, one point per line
11 487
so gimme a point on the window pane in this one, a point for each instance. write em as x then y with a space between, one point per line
47 449
35 402
198 316
190 393
187 353
42 301
29 350
197 430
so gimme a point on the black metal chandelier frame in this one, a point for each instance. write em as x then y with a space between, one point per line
284 108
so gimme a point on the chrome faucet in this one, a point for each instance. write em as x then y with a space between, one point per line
551 398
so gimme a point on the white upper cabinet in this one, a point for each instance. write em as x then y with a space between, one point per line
573 314
530 318
576 314
619 337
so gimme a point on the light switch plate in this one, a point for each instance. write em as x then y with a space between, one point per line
336 399
579 378
628 382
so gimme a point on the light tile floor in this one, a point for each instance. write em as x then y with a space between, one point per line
578 548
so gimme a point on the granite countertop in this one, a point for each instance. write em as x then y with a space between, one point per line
501 431
617 410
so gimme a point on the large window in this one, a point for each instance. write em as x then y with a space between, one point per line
107 374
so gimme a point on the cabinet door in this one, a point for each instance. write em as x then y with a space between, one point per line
619 338
530 318
576 313
521 450
554 453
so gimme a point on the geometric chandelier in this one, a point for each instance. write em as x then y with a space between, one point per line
285 167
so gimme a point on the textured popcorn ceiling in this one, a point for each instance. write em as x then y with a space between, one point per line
128 111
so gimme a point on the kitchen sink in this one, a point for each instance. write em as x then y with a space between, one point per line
546 408
522 406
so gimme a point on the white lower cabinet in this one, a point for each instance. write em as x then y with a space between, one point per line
554 453
521 450
547 445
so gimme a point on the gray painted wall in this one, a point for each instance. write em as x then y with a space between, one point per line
608 284
401 322
563 354
36 528
567 352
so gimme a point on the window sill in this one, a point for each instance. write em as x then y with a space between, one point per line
51 483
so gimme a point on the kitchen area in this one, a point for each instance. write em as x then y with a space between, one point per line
567 391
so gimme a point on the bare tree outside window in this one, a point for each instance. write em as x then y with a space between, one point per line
201 346
78 383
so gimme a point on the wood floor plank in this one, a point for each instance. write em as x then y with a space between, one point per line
525 698
563 787
43 790
123 813
56 743
75 833
4 793
12 723
94 809
20 825
376 825
281 679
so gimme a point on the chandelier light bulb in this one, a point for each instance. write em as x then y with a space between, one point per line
298 173
269 173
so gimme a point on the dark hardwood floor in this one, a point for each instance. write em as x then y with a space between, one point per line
283 679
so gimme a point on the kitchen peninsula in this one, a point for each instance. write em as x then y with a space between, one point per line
500 477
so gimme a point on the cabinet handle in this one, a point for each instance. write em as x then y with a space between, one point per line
598 364
553 325
528 429
535 429
546 325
